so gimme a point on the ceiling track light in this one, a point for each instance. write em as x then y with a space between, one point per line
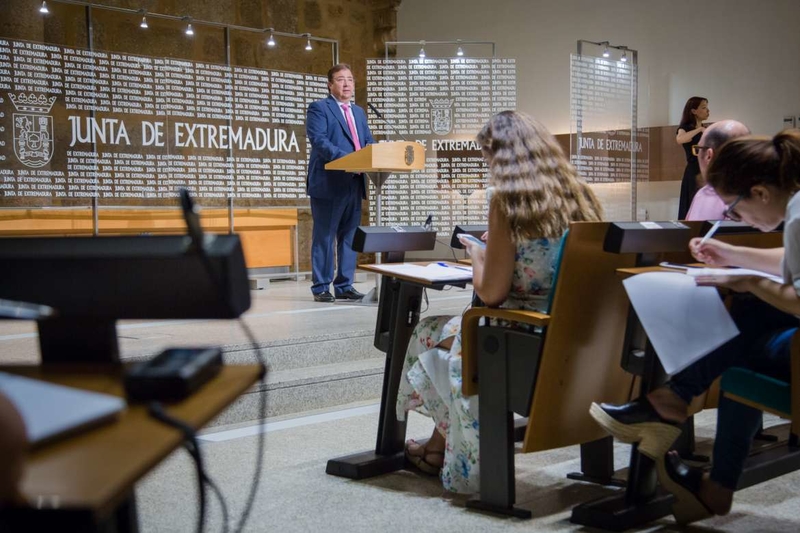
422 50
624 57
459 51
143 24
308 42
606 52
271 40
43 10
189 30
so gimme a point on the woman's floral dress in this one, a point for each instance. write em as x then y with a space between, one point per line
431 382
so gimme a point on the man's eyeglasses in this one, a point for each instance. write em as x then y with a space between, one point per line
696 149
730 213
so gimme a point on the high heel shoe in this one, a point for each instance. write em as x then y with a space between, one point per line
637 422
683 481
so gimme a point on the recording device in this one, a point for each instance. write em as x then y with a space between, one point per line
647 237
472 239
173 374
92 282
428 222
380 116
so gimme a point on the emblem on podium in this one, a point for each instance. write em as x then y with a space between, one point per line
33 129
409 155
441 115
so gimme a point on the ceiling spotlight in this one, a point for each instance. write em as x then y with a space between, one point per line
143 24
308 42
606 53
271 40
422 50
624 57
459 51
189 29
43 10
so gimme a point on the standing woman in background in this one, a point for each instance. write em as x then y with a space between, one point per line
689 132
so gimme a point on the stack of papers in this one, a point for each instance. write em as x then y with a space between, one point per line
433 272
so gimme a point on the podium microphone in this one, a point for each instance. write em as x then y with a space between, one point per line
428 223
192 219
380 116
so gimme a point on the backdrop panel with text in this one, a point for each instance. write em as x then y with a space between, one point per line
442 103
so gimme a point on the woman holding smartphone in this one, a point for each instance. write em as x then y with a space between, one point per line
537 193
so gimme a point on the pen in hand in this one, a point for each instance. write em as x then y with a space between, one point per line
710 233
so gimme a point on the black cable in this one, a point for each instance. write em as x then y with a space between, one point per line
262 414
156 410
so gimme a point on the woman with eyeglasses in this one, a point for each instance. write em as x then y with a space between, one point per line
759 180
689 132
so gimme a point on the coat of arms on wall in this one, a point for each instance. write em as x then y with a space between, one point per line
33 129
441 115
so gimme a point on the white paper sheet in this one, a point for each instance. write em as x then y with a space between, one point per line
431 272
684 322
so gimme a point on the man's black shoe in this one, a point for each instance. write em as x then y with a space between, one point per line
324 297
349 294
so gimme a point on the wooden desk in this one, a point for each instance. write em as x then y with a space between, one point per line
84 481
398 314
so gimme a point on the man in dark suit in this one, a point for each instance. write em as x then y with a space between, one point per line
335 127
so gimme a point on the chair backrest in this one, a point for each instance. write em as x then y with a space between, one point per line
583 345
556 271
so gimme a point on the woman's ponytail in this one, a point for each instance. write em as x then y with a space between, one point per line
787 147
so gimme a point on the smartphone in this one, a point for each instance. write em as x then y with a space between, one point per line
472 238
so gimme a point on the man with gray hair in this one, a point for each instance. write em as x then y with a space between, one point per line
706 204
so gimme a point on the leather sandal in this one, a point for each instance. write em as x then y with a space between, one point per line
637 422
420 460
683 481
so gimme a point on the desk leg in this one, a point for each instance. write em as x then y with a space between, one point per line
405 300
127 517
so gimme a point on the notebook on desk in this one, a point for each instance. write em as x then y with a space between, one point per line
53 411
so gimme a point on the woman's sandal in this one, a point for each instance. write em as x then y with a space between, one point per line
683 481
418 457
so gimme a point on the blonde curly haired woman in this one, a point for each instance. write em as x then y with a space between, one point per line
537 193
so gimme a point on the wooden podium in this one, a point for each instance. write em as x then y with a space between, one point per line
378 161
396 156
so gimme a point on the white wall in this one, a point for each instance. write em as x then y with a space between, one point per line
743 55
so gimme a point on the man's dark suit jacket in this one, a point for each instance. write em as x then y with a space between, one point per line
330 139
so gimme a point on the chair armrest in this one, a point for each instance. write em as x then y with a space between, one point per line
469 338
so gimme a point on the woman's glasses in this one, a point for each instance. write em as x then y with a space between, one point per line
730 212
